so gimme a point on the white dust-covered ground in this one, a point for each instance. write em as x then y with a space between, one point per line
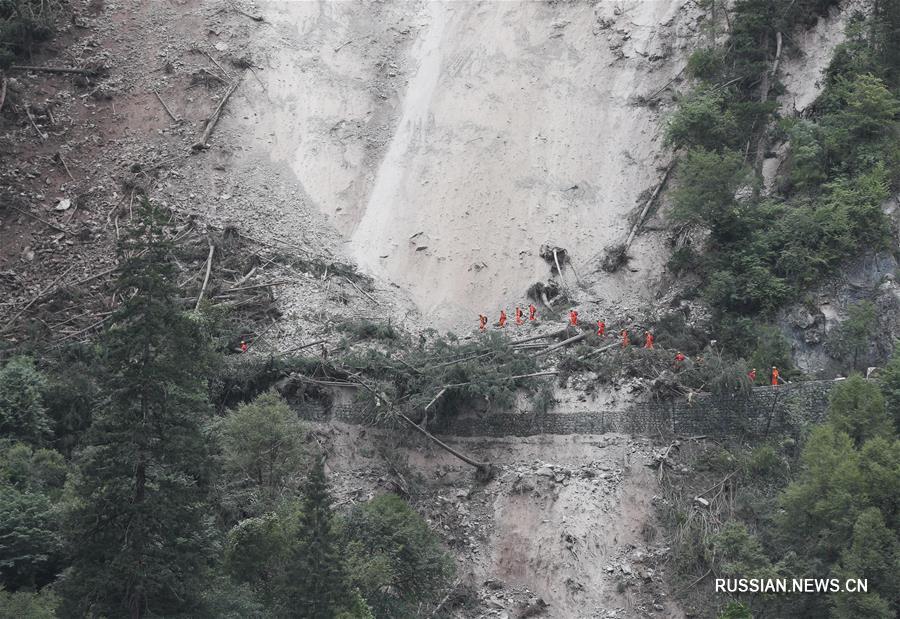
446 141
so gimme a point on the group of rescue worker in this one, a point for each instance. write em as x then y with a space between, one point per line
680 358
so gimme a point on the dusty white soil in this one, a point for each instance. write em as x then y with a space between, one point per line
568 519
446 141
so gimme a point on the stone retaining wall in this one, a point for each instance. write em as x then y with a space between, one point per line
764 411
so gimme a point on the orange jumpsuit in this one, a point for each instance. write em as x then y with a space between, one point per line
573 318
601 328
502 318
243 346
752 375
519 315
532 312
625 341
648 340
774 377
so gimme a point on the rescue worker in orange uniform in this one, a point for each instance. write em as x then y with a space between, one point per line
482 322
532 312
519 314
752 375
648 340
573 318
601 328
679 360
502 318
625 340
244 346
775 376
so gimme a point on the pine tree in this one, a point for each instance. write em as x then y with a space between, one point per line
137 528
316 586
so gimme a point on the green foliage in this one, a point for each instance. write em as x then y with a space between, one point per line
315 584
762 253
889 383
703 120
476 372
22 412
26 604
853 338
772 349
856 408
393 558
736 610
705 194
740 555
32 470
705 63
262 450
31 546
70 394
141 474
874 555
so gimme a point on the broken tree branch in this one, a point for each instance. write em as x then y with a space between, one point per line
166 108
211 123
40 133
2 93
209 259
65 165
216 62
435 399
33 216
18 67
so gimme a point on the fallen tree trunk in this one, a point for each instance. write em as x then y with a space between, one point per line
484 470
209 259
564 343
640 221
538 337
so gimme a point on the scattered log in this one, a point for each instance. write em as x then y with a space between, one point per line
33 216
256 18
361 291
484 469
221 68
435 398
36 298
538 337
43 136
166 108
446 599
647 205
64 165
18 67
564 343
253 286
209 259
211 123
597 352
3 93
88 328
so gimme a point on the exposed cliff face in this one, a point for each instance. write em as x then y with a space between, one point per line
447 141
